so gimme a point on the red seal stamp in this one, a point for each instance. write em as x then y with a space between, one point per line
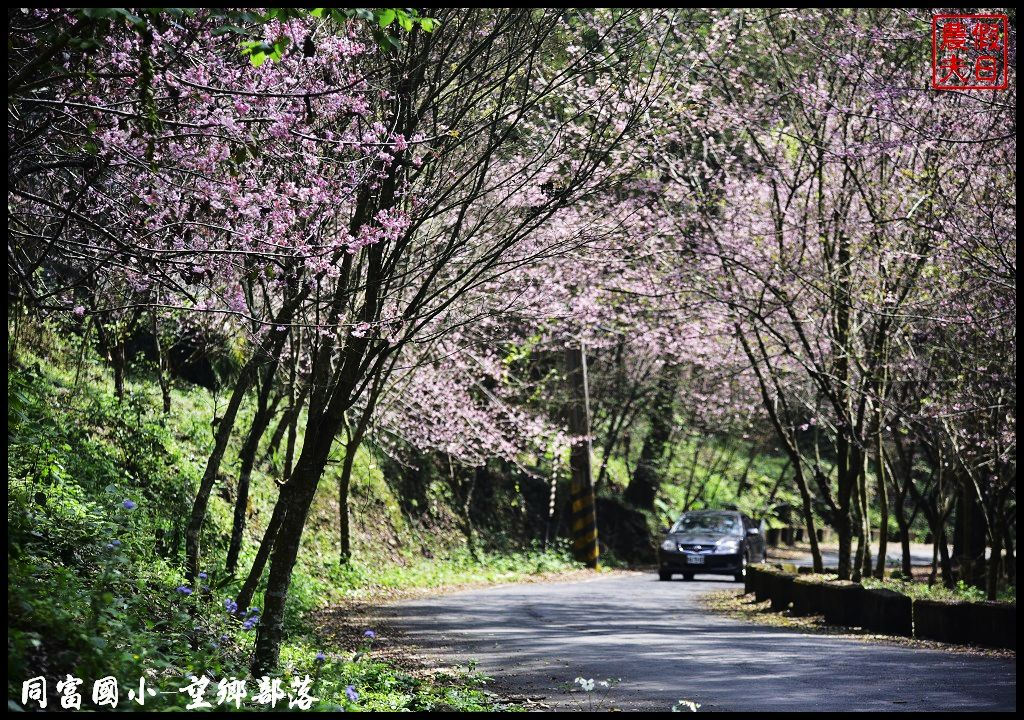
970 52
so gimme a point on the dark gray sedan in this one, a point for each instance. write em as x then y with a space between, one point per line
719 542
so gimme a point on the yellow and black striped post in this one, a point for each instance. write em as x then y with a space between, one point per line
584 514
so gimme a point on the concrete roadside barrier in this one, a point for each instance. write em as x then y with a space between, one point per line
806 596
989 624
883 610
841 602
761 582
992 624
886 611
751 578
941 620
780 588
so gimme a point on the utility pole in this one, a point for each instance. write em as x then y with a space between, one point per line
581 495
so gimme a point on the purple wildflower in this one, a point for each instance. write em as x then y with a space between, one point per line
202 576
350 691
230 605
370 634
320 657
184 590
129 505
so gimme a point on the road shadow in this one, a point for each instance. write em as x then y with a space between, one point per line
664 645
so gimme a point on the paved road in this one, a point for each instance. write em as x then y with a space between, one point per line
535 639
920 554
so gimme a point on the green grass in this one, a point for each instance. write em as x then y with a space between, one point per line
93 586
922 591
458 568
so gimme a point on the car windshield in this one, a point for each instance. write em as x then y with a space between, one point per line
709 523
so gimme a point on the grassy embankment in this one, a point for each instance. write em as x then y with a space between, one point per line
94 585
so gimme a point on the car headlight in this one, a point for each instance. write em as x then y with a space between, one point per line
668 545
726 547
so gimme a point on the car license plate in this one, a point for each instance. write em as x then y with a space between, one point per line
694 559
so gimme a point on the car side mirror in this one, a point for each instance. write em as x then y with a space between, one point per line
753 531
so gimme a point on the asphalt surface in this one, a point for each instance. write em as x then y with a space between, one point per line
920 555
535 639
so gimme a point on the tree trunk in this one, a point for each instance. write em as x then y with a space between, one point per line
944 561
202 501
792 449
807 509
289 453
247 459
935 560
643 486
296 498
904 527
584 517
117 359
845 540
848 468
227 424
286 423
354 438
994 565
344 482
899 505
616 426
1010 564
970 537
328 405
162 368
846 482
252 580
864 549
940 554
858 558
883 506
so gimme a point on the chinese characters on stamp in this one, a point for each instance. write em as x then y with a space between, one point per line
970 52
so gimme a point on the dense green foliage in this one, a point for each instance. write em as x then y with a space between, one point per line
93 586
